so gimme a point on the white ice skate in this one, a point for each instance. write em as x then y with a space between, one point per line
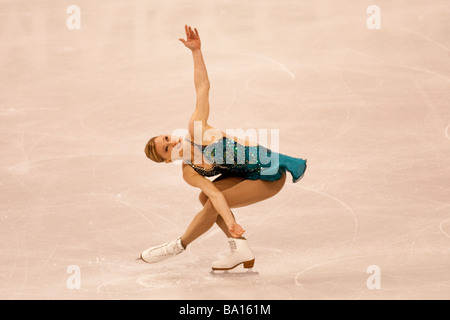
162 252
240 253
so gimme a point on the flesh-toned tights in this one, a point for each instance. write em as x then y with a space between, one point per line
239 193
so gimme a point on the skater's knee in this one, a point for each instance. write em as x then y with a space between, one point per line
209 209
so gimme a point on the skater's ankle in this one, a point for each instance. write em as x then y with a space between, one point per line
184 245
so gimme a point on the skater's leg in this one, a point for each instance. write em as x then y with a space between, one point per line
242 194
206 218
223 226
221 183
201 223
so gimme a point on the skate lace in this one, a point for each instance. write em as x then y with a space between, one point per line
167 248
233 248
171 247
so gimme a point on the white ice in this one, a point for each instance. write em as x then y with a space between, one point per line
369 109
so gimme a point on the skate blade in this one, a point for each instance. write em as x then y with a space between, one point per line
227 273
247 265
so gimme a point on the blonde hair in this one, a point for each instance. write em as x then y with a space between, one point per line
150 151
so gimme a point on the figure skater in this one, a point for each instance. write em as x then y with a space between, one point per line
239 183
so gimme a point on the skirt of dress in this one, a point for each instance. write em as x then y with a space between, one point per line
273 170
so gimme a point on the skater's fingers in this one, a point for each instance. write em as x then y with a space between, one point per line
236 230
196 32
238 233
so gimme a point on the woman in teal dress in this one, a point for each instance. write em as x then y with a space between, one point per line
247 173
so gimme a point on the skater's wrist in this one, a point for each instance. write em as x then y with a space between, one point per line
230 223
236 230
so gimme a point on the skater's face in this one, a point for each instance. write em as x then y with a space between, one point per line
169 147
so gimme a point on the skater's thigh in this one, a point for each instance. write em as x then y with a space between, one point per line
222 183
248 192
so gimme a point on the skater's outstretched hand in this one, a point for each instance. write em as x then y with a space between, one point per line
236 230
193 39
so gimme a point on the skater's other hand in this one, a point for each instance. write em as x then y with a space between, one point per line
193 39
236 230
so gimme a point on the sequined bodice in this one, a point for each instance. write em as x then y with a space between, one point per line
229 156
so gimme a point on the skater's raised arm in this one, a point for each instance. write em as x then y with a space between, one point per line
217 199
201 79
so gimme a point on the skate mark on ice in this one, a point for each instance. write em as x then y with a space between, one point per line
262 220
55 158
104 289
280 65
135 209
27 188
331 262
268 249
345 127
419 35
183 206
339 201
216 273
442 229
438 75
412 244
168 276
142 210
427 100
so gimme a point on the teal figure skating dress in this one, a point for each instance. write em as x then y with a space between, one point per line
231 158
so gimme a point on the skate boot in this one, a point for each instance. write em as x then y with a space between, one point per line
162 252
240 253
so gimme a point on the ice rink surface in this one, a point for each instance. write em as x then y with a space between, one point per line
369 109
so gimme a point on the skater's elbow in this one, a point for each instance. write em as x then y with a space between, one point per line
208 188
